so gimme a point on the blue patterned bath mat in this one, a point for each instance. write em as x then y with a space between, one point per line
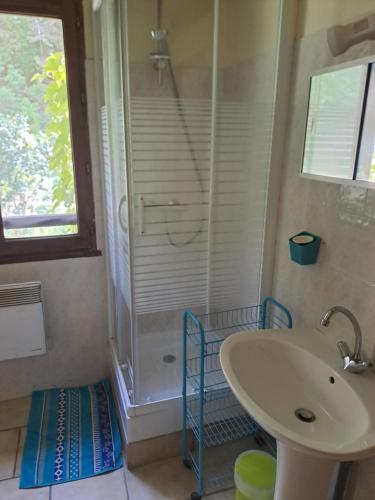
71 434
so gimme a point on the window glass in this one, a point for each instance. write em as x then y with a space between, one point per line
366 159
37 184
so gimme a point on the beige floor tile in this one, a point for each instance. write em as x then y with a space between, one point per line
14 413
107 486
222 495
166 480
20 451
9 491
8 451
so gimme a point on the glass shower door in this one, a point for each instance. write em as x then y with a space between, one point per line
170 51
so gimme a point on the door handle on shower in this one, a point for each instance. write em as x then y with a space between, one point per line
172 204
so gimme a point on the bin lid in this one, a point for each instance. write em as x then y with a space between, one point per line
256 468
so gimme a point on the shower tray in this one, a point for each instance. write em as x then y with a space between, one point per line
212 412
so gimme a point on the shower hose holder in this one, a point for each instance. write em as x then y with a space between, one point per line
304 248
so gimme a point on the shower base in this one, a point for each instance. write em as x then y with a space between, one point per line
159 402
160 366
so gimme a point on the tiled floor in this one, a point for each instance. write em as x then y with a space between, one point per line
165 480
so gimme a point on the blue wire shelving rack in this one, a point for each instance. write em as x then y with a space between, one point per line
212 412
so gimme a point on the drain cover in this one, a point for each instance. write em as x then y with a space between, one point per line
169 358
305 415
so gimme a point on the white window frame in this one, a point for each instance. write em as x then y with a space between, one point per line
366 132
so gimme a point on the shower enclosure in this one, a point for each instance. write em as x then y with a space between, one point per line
188 95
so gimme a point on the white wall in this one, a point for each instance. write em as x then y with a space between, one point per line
314 15
343 216
75 300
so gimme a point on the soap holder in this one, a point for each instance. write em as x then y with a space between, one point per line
304 248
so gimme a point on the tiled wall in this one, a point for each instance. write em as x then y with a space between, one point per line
343 216
75 300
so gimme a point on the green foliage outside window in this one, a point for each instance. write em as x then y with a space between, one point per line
58 128
24 174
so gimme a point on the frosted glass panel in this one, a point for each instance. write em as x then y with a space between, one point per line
247 41
334 116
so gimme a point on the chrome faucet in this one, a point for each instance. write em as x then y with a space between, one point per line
352 361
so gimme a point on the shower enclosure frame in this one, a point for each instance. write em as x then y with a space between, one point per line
163 417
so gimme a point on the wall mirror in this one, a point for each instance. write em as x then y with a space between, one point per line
340 125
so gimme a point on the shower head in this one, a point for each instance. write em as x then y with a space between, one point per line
159 35
159 56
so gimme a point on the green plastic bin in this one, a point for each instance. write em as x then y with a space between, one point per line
255 475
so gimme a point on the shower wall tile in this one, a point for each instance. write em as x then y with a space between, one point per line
344 216
163 321
192 83
251 80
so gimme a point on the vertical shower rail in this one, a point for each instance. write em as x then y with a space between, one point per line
124 41
109 50
215 56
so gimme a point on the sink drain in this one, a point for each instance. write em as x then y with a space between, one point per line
169 358
305 415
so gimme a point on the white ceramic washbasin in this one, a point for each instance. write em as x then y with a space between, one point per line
275 372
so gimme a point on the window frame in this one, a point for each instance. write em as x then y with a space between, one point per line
82 244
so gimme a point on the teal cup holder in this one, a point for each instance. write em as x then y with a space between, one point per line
304 248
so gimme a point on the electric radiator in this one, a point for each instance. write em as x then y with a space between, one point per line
22 329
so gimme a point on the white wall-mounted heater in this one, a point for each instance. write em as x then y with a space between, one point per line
22 330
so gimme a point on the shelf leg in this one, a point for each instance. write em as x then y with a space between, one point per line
184 402
201 415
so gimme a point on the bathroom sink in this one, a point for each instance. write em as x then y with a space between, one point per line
292 383
277 372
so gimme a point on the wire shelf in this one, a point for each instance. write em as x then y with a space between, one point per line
224 419
221 477
213 375
218 326
219 462
213 412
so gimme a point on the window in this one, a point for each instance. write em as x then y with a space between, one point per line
340 131
46 196
366 157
